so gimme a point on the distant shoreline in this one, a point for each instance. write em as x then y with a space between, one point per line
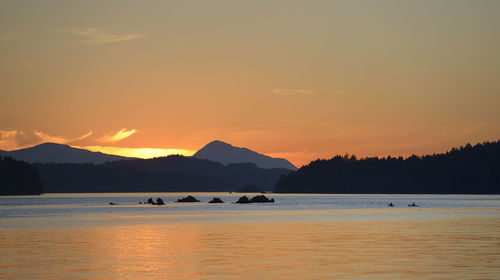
237 193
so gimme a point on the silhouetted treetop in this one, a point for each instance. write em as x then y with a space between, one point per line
467 169
18 178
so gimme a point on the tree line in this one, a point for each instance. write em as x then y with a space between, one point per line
464 170
19 178
173 173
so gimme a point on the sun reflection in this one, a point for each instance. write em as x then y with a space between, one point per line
138 152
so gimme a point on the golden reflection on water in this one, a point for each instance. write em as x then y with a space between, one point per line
453 247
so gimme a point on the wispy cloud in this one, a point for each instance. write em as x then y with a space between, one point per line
45 137
6 134
83 136
50 138
120 135
304 91
9 139
471 130
93 36
17 139
290 92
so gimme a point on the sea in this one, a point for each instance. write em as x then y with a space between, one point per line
300 236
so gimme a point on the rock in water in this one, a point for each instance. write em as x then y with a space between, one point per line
188 198
260 199
243 199
150 201
216 200
159 201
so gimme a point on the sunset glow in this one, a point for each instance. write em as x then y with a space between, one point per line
298 79
138 152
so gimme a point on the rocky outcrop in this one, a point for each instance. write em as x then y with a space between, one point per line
216 200
261 199
188 198
243 199
255 199
159 201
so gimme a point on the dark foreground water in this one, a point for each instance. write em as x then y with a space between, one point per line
81 236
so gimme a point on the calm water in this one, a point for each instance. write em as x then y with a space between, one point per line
80 236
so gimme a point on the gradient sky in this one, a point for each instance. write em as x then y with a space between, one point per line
295 79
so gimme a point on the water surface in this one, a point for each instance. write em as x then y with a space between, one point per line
81 236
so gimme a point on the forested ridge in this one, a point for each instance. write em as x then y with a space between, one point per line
164 174
464 170
19 177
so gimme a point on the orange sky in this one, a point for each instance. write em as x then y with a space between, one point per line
295 79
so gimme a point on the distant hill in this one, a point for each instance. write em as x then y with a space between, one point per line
87 177
59 153
466 170
235 175
165 174
226 154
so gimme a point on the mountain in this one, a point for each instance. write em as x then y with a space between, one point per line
466 170
59 153
226 154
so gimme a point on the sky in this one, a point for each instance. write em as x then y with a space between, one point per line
295 79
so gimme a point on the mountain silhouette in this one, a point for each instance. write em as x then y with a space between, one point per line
59 153
227 154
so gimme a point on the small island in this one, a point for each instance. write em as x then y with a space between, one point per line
159 201
216 200
256 199
188 198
